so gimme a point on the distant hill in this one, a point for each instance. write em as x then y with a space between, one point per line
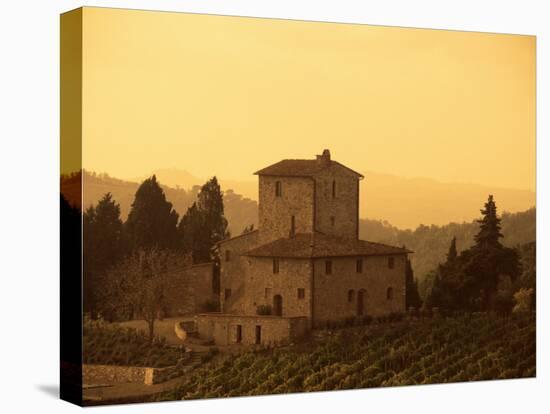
404 202
409 202
239 211
431 243
177 178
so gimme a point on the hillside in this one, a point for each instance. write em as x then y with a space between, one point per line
431 243
404 202
239 211
470 348
410 202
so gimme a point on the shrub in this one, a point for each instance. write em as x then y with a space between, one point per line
523 299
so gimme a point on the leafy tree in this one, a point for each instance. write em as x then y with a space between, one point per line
204 223
472 280
152 222
103 245
524 300
138 285
194 234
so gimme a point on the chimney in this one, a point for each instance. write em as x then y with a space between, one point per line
324 159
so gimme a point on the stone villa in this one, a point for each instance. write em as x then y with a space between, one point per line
305 265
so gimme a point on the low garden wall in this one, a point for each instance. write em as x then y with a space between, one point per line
111 374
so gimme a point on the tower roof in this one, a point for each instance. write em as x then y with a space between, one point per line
317 245
302 168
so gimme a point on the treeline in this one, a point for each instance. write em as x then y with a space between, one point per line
487 276
431 243
126 262
239 211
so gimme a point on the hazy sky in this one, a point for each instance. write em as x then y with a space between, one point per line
228 96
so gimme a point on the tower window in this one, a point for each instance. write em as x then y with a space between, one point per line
391 262
332 220
227 293
333 188
328 267
292 225
301 293
275 265
351 295
278 189
389 293
359 266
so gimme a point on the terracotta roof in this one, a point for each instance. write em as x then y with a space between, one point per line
299 168
312 245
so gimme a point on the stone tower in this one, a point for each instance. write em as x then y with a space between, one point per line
305 196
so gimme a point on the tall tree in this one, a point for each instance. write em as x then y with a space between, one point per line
103 246
412 297
152 222
452 254
204 223
489 226
210 202
474 279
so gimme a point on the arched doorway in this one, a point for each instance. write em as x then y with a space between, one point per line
278 305
361 302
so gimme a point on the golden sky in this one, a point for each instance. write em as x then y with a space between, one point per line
227 96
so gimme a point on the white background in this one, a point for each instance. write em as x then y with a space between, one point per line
29 163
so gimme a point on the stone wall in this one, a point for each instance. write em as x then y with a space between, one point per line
331 292
262 285
275 212
114 374
190 289
111 374
232 269
223 328
344 207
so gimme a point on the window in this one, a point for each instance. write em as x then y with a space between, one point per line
391 262
292 225
359 266
301 293
328 267
389 293
332 220
239 334
258 334
227 293
228 255
275 265
278 189
351 295
267 293
333 188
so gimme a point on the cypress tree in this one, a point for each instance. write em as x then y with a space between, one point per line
489 226
152 221
103 245
412 297
204 223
